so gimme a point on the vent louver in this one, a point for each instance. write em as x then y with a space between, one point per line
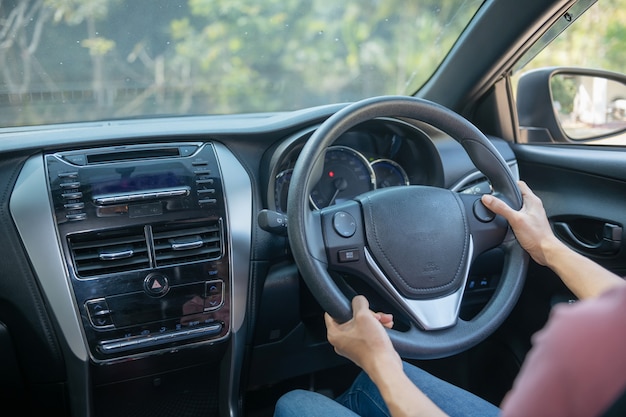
187 243
108 252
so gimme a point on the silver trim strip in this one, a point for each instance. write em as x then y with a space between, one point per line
238 199
33 216
477 175
432 314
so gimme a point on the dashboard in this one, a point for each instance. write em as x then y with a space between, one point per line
145 241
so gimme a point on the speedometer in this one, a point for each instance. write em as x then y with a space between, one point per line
346 174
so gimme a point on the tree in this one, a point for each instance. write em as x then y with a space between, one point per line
75 12
20 34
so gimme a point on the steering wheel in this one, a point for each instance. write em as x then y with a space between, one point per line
413 244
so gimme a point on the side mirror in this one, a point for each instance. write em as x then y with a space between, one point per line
572 105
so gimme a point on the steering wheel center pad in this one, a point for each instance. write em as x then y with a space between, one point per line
419 236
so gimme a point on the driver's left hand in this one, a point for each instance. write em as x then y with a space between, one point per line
363 338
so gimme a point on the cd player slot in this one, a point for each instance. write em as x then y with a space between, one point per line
105 200
133 154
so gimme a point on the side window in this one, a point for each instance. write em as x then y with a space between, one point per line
571 87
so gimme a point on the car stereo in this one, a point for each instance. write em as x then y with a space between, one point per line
144 234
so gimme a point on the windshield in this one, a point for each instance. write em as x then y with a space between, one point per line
77 60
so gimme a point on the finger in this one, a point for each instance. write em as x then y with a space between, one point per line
387 323
523 186
530 198
385 319
330 322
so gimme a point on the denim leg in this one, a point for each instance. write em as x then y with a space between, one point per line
364 398
301 403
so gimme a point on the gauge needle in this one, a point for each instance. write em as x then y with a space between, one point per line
340 185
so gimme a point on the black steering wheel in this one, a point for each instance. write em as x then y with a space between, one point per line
414 244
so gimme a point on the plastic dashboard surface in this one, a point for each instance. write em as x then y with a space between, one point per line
253 154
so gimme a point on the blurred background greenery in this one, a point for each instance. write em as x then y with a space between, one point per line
70 60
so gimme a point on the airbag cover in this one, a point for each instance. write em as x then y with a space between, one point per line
419 237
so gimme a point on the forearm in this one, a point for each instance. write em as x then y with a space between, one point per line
402 397
581 275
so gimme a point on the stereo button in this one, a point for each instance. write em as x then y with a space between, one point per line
70 174
99 313
214 295
74 206
207 201
202 171
72 195
76 216
69 185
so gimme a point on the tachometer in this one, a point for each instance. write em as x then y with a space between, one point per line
389 173
347 174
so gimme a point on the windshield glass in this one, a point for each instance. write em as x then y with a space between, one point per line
76 60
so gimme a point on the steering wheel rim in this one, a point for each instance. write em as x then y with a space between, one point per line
307 239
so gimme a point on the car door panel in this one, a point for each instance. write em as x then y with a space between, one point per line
584 193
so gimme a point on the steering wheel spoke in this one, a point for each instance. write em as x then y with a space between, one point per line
429 313
344 238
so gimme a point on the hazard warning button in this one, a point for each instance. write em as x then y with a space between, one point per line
156 285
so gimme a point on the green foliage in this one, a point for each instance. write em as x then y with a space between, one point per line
563 92
113 58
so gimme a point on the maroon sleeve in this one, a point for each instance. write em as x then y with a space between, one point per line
577 366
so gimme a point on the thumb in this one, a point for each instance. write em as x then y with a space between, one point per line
359 303
497 206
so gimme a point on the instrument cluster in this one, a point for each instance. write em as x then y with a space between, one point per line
376 154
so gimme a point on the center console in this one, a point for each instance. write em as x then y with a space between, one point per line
144 235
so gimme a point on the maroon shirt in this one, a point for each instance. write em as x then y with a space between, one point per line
577 366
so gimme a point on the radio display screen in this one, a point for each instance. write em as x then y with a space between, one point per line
131 180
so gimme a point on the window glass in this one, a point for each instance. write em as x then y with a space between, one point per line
81 60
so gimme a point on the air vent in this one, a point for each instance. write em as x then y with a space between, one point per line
187 243
108 252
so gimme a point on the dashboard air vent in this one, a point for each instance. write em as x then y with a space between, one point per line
111 251
187 243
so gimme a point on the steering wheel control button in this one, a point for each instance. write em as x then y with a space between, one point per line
344 224
349 255
156 285
482 213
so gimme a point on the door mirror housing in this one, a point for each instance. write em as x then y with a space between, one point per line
559 104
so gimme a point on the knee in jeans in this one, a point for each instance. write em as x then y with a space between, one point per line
290 397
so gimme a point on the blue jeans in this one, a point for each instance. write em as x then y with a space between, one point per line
363 399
